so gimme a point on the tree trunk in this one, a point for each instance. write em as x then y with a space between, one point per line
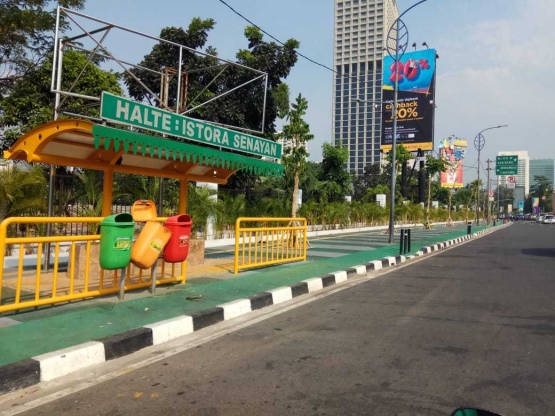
295 195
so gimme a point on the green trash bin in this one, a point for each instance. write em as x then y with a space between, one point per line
116 238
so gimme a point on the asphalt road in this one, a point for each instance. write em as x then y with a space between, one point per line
472 325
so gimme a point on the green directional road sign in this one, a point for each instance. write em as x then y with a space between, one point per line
506 165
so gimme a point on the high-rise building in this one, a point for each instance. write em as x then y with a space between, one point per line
523 175
542 167
361 28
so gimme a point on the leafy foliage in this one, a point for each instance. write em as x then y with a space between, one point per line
402 155
30 102
26 36
296 134
337 179
434 165
364 185
543 188
22 190
240 108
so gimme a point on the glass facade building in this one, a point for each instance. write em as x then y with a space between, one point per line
542 167
360 32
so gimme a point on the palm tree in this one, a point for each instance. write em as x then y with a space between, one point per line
357 213
201 204
312 211
21 190
374 213
91 194
228 209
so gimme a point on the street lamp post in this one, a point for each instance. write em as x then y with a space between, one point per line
479 143
401 33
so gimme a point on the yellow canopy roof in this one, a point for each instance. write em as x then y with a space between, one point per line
83 144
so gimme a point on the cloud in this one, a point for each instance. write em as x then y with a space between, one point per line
498 72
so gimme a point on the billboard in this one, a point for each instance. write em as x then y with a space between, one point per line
535 205
453 151
415 73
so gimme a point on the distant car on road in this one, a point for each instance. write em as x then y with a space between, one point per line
540 218
549 219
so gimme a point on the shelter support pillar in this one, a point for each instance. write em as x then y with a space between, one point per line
183 188
107 191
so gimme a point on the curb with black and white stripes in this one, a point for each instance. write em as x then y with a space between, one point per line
59 363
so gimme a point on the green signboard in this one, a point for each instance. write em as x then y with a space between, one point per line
506 165
125 111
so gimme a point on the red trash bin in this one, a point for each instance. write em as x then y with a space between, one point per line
177 248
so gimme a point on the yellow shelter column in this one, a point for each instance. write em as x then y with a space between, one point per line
183 189
107 192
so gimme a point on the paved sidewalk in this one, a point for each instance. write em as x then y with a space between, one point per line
64 326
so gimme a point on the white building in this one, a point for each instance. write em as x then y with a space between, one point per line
287 143
523 176
361 28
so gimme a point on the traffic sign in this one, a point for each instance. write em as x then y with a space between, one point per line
491 194
511 182
506 165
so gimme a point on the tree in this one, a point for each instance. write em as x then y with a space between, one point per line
201 204
310 182
26 36
22 190
228 209
338 179
463 197
240 108
90 194
372 176
30 102
434 165
543 188
296 134
402 156
475 192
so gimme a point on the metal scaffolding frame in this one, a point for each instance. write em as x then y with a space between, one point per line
76 21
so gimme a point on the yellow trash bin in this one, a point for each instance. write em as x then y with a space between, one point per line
149 245
143 210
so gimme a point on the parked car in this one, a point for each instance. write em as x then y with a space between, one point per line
540 218
549 219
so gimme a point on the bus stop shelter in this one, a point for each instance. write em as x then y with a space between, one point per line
83 144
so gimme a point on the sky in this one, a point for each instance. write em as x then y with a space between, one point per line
496 59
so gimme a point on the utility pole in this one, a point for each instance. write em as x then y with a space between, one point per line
498 207
489 205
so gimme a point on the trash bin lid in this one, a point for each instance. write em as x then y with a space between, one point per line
143 210
119 219
181 219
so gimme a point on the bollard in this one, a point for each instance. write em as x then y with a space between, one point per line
408 241
468 228
402 241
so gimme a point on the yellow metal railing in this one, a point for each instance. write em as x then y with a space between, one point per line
267 241
27 286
